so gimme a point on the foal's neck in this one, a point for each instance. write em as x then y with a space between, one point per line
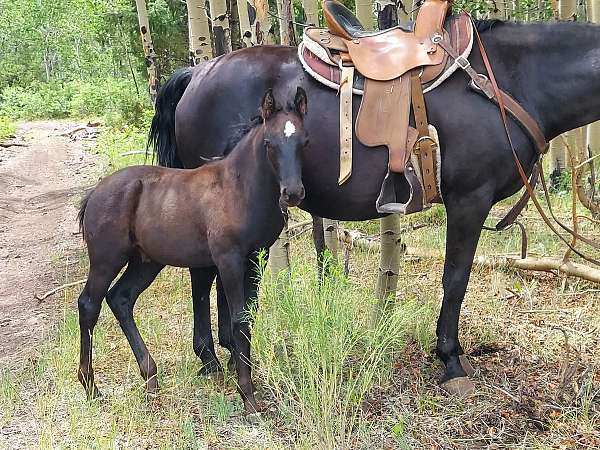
248 163
553 69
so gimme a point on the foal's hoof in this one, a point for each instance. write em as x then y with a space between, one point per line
207 370
458 387
94 394
466 365
231 365
253 418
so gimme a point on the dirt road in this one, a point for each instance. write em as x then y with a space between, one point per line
40 185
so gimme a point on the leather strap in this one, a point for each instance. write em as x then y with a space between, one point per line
521 171
426 146
346 82
482 84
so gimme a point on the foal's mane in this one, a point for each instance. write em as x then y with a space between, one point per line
239 131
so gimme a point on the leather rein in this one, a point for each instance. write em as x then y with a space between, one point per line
488 86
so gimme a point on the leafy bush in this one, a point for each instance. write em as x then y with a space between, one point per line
38 101
117 101
114 100
7 127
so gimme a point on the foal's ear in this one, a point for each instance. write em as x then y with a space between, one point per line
300 101
267 107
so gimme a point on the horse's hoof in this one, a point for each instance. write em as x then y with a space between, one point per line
152 385
216 377
209 370
466 365
254 418
458 387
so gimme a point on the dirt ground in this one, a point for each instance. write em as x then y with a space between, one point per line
41 181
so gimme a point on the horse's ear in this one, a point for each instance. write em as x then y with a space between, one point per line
300 101
267 107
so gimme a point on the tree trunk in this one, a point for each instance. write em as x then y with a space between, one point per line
264 30
364 13
149 54
234 24
311 12
286 24
500 10
330 230
391 240
390 255
199 32
279 254
220 26
387 16
247 27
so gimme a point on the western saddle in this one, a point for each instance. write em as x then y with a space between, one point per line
392 66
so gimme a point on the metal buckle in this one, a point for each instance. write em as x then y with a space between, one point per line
437 38
463 62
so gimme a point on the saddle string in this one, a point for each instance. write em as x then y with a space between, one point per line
520 169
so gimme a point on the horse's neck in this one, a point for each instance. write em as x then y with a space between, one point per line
553 69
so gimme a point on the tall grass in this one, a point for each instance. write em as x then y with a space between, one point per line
7 127
320 351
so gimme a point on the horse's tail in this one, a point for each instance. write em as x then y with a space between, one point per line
81 213
162 130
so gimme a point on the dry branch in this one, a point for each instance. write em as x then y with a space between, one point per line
543 264
12 144
59 288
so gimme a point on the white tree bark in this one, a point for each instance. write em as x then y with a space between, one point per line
264 31
220 26
247 29
286 27
199 32
149 52
389 256
311 11
364 13
330 232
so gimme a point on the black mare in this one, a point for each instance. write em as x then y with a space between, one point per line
551 69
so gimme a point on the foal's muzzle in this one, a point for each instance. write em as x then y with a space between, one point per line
291 196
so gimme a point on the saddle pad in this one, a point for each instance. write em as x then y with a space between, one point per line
318 64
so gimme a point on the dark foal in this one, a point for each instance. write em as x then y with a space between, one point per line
213 218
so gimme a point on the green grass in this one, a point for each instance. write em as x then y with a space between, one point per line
7 128
332 368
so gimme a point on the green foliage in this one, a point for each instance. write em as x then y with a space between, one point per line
7 127
321 349
114 100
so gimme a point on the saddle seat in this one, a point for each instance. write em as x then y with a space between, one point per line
388 54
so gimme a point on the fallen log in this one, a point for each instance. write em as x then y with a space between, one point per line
542 264
354 238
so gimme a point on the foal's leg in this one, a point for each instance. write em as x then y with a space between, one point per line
318 235
89 304
465 217
232 268
121 299
204 346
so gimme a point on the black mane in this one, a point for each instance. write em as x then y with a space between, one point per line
239 131
487 24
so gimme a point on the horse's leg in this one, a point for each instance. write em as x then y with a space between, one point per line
232 268
465 217
121 299
204 346
224 324
318 235
89 304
